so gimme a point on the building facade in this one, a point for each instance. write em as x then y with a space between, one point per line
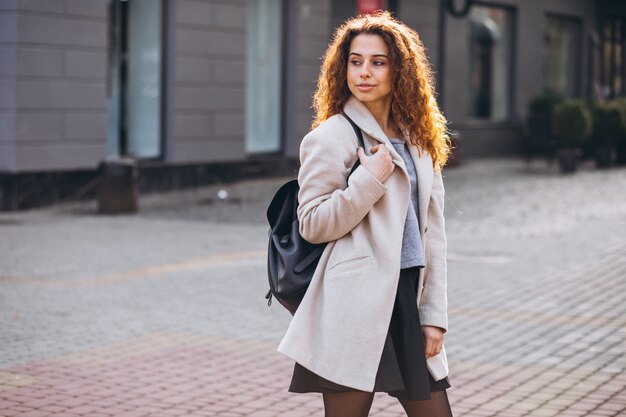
210 90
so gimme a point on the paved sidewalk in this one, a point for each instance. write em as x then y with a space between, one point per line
162 313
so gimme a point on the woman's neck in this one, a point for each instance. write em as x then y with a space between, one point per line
381 110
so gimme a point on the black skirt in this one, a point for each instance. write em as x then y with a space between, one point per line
402 371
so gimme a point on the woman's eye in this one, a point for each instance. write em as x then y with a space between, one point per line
354 62
379 63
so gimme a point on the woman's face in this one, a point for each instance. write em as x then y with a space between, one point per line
369 69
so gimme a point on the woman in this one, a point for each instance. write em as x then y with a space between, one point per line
375 310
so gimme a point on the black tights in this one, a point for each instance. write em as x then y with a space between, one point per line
358 404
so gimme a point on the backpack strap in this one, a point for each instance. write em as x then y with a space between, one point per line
359 135
357 130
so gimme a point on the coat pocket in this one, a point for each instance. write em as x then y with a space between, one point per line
349 265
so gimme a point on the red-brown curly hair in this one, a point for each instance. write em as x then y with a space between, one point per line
413 104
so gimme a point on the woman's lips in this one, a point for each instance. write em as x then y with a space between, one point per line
365 87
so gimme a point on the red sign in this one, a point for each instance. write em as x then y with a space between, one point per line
369 6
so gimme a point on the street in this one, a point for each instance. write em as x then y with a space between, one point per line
163 313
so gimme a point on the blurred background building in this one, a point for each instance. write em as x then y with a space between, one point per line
216 90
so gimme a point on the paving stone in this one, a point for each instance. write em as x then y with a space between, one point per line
35 413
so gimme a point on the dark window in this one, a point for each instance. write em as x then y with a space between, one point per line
612 57
490 66
562 55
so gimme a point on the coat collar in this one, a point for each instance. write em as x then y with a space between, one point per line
364 119
360 114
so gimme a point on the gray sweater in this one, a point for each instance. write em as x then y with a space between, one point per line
412 247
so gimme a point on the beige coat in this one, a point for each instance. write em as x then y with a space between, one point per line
340 327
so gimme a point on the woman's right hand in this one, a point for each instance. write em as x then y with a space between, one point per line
379 164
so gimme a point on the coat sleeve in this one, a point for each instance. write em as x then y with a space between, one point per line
433 307
330 203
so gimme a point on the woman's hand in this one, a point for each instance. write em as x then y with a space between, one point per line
379 164
433 340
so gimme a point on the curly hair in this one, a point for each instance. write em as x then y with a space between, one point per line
413 104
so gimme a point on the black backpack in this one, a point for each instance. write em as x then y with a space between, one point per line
291 260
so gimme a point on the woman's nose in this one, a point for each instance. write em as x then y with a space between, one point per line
365 70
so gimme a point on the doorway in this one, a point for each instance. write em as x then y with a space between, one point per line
135 90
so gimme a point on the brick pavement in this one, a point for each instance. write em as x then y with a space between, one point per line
128 315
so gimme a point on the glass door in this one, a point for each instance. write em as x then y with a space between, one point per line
613 57
263 76
135 99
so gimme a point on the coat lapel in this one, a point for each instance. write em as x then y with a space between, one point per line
360 114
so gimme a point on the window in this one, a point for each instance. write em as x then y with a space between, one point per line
135 64
490 66
562 55
613 57
263 76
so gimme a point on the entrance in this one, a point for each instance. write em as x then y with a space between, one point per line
135 98
263 76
